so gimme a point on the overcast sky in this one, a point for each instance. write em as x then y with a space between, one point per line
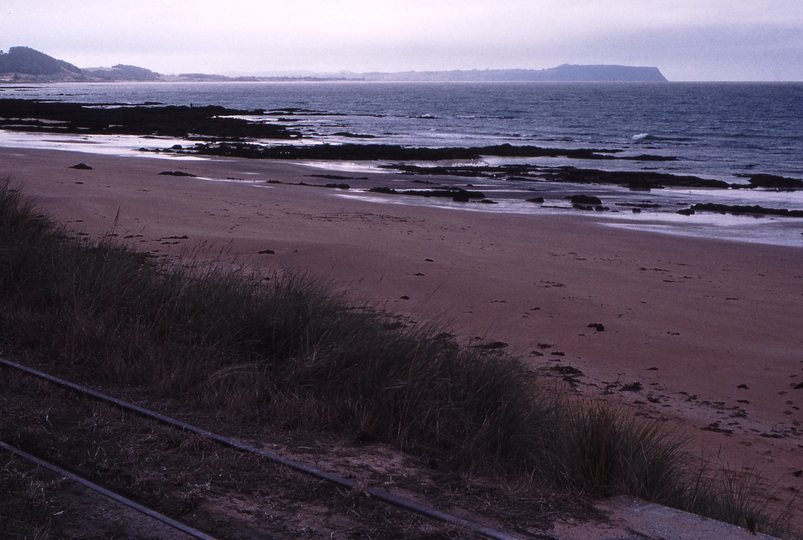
686 39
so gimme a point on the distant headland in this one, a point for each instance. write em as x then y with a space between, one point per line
23 64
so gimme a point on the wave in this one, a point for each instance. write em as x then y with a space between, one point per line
647 137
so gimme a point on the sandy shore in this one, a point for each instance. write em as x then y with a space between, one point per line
700 332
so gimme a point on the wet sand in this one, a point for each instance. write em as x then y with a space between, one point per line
704 334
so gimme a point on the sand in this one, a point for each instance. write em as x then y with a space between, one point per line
703 334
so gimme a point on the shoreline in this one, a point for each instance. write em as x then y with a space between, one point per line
757 216
710 315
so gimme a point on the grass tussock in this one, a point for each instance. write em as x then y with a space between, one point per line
293 348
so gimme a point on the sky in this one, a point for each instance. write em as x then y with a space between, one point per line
688 40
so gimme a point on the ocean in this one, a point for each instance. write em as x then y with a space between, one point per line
723 131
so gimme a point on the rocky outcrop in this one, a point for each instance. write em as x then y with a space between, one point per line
738 209
173 121
457 195
771 181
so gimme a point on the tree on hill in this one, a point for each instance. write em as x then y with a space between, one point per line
122 72
32 62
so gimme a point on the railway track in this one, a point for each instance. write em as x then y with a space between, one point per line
352 486
108 493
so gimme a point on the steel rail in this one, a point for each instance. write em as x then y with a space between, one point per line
110 494
225 441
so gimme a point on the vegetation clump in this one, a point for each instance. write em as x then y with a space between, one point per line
295 350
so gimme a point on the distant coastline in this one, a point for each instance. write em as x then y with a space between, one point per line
23 64
563 73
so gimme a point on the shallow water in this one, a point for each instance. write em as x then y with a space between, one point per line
714 129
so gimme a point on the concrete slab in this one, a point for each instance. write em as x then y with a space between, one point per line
634 519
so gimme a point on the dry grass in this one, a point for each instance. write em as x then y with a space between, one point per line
296 350
24 508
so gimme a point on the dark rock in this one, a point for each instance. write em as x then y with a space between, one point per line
266 252
353 135
491 346
649 157
538 200
400 153
635 180
338 186
332 176
172 120
686 212
633 387
737 209
773 181
82 167
460 198
565 370
385 190
458 195
455 194
177 173
599 327
585 199
635 186
714 426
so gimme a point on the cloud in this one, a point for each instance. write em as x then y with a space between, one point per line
692 38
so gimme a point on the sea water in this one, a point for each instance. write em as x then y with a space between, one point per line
713 130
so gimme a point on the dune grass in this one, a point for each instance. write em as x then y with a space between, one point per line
296 350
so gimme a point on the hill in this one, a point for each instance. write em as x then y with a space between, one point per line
121 72
29 64
26 64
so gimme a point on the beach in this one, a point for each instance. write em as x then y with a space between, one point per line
701 333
